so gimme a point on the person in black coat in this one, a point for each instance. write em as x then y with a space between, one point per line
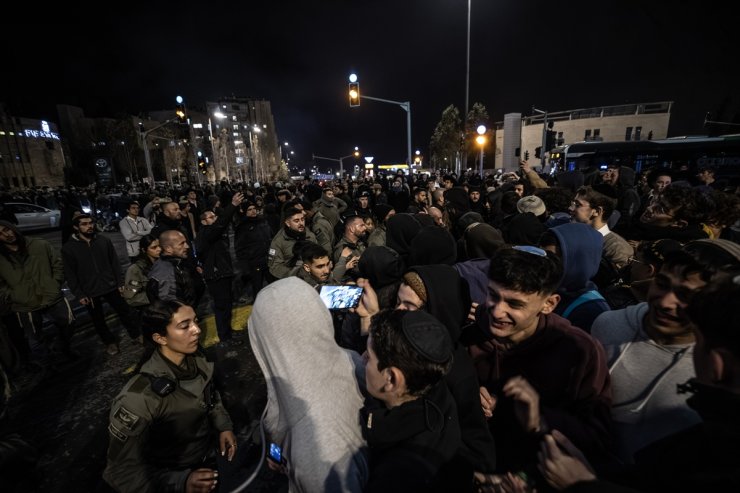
212 243
252 238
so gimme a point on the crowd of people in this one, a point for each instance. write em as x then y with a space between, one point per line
516 332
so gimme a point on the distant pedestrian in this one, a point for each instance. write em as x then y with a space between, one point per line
133 228
93 273
31 276
137 275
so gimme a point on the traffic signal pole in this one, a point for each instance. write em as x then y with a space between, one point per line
147 157
406 105
543 161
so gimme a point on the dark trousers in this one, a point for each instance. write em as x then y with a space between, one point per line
128 316
220 291
21 323
253 277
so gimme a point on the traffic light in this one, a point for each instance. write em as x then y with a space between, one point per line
526 155
550 140
202 163
182 117
538 152
354 94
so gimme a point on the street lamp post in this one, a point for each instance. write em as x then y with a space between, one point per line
481 140
220 116
544 135
147 157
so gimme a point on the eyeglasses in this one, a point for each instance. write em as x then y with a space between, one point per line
530 249
636 260
577 204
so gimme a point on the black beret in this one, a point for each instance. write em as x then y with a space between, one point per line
427 335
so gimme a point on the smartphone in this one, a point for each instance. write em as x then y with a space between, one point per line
276 453
340 297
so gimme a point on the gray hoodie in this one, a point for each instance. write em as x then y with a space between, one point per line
644 375
313 395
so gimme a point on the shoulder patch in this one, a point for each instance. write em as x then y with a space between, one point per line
125 417
118 434
272 252
139 384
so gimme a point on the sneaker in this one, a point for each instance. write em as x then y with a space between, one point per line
112 349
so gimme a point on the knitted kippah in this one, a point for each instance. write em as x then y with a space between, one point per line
414 282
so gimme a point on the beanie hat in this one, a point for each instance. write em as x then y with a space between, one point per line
531 203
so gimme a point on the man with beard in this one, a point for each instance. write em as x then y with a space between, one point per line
317 267
93 274
171 218
169 278
281 257
355 232
31 275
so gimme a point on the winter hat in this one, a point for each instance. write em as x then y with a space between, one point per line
381 211
531 203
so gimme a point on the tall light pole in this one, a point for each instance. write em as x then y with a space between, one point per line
467 70
338 160
481 140
544 135
220 116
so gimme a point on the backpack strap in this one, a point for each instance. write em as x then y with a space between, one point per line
592 295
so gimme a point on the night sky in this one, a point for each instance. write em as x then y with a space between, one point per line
555 55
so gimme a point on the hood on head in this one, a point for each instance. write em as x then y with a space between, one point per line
581 248
381 265
448 296
400 231
433 245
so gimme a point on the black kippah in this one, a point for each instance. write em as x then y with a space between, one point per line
427 335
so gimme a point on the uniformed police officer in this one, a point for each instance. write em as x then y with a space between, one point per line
164 423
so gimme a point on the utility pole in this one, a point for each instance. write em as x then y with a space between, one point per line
543 160
147 157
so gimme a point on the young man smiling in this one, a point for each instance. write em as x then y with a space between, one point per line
536 370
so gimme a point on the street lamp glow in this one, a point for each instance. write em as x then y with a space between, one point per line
257 129
220 115
481 140
418 152
353 94
481 129
353 77
178 99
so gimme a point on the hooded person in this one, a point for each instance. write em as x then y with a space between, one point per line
456 205
401 229
313 395
433 245
384 268
480 241
382 213
445 296
579 246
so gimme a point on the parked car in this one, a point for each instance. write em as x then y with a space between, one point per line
32 217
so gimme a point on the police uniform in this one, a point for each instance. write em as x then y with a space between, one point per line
281 253
161 427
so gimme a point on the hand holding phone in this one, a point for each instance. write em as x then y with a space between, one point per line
340 297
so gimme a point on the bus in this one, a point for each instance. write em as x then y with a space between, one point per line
677 153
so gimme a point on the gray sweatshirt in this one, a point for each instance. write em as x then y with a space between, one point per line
644 375
313 395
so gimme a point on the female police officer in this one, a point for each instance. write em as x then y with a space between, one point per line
163 423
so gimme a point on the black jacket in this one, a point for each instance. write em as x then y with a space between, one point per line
409 443
212 245
252 240
91 270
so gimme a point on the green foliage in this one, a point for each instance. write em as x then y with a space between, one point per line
446 139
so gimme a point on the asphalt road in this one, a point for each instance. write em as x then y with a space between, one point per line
61 407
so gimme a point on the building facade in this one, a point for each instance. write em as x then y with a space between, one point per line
31 153
244 139
644 121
